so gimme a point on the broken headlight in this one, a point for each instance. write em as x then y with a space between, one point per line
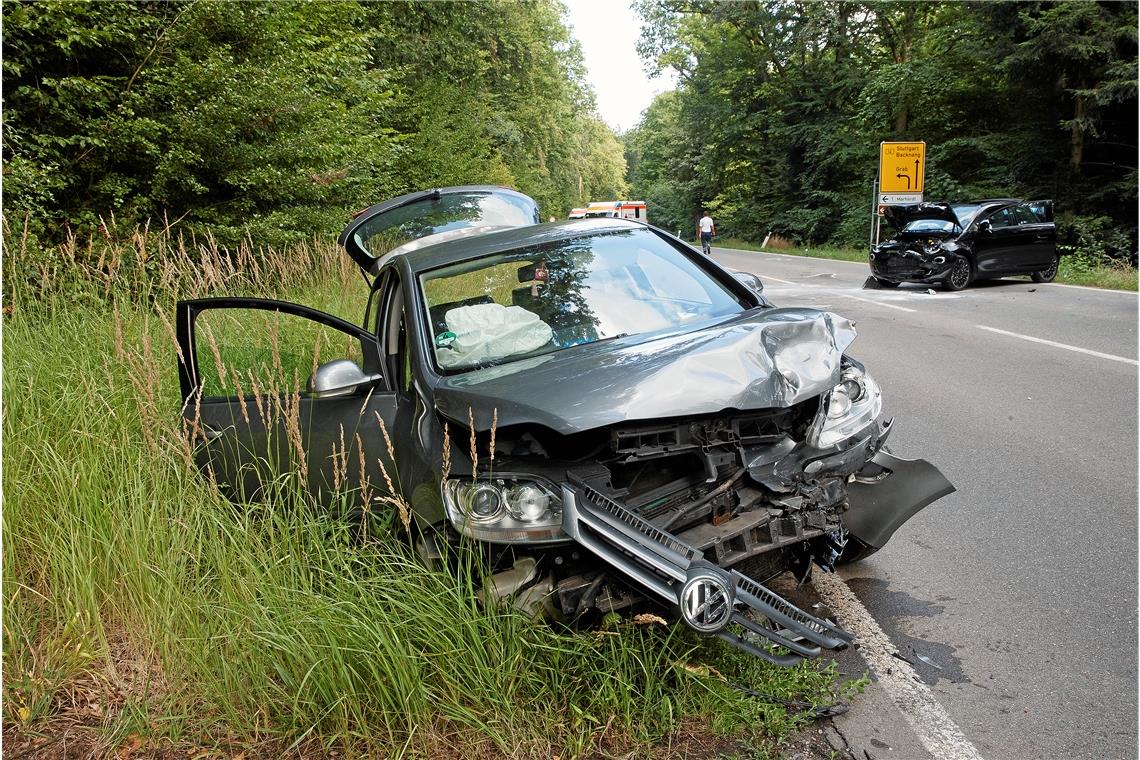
853 405
505 509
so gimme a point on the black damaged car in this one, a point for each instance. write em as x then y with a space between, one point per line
955 244
610 417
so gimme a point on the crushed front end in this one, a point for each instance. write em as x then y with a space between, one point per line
699 513
926 261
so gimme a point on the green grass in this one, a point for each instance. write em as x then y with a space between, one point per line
144 608
841 254
1073 270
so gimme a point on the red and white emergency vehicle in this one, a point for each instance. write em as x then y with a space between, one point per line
618 210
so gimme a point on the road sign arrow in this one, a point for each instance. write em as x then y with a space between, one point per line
906 177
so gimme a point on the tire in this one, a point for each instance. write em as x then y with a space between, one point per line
961 275
855 551
886 284
1047 274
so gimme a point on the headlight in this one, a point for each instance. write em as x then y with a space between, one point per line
506 509
853 405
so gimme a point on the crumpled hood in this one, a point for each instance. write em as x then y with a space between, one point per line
901 216
771 358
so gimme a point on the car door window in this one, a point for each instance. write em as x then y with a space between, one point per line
239 352
1001 219
1024 215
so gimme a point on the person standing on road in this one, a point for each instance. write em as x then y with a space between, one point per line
706 228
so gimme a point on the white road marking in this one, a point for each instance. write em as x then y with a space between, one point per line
1066 346
1086 287
793 256
877 303
926 717
836 292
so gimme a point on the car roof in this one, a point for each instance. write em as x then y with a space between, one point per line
472 247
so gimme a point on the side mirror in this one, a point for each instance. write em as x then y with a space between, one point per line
340 377
985 226
750 281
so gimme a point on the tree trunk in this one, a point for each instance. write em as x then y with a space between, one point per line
1077 138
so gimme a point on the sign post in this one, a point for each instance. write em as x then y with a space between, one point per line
901 169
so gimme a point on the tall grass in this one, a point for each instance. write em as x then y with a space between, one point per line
145 609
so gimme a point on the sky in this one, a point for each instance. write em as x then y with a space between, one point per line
608 31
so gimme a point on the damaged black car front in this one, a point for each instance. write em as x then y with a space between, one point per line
927 247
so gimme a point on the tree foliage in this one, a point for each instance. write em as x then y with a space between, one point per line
781 105
272 120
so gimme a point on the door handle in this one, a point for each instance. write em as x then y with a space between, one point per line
210 434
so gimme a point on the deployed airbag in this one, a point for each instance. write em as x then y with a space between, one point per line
487 332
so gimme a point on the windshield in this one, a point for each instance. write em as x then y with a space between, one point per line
443 213
965 212
930 225
548 297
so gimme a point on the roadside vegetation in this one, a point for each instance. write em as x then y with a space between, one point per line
144 612
1078 267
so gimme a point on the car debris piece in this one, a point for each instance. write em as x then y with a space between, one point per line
608 417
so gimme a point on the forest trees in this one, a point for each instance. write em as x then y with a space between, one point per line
274 120
781 106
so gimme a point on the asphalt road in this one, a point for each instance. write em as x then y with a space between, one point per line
1021 587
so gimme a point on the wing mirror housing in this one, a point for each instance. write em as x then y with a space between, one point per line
750 281
985 226
340 377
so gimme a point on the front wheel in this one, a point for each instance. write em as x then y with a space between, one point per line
960 275
886 283
1048 273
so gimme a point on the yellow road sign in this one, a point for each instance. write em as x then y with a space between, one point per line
901 165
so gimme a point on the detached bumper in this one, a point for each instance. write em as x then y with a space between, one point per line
888 492
709 598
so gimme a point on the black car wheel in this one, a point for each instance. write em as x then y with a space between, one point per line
886 284
960 275
1047 274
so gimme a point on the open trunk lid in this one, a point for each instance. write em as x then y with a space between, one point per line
393 223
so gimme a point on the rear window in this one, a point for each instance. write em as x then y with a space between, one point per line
930 225
444 213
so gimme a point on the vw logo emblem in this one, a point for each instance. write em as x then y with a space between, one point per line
706 604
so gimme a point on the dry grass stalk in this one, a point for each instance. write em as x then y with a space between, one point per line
243 401
290 407
218 363
365 484
494 427
339 460
445 471
474 451
170 333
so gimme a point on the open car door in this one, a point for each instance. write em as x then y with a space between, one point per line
281 400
